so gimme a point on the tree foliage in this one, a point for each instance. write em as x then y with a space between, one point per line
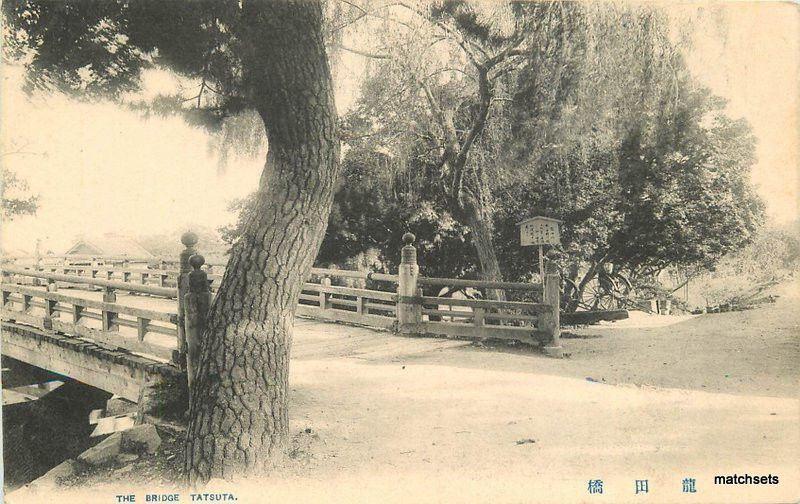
16 198
596 121
772 256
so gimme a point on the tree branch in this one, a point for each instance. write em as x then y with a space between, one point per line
485 97
360 52
468 47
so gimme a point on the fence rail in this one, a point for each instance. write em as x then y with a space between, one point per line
68 259
176 334
123 285
346 304
169 277
480 284
97 320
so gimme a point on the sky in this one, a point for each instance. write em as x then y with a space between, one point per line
99 169
749 53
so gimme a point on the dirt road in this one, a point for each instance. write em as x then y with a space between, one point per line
753 352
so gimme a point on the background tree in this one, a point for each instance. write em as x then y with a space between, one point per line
373 207
481 94
16 199
268 57
16 196
169 244
596 121
434 81
674 190
745 273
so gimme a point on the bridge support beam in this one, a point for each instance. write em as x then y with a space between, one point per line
79 360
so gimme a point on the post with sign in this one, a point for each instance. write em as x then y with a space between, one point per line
542 231
539 231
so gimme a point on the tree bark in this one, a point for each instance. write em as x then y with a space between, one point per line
482 238
570 299
238 415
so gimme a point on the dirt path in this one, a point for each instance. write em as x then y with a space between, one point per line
447 425
372 432
715 394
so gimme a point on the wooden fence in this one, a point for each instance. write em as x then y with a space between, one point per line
392 302
151 332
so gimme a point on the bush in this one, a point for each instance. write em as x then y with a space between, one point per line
772 257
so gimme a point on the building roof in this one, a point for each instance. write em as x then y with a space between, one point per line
550 219
109 245
14 253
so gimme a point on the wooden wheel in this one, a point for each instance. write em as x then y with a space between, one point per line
598 296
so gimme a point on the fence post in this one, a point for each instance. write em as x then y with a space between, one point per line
189 240
324 296
197 303
109 321
109 295
409 315
38 266
551 321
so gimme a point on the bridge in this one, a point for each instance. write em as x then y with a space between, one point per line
126 324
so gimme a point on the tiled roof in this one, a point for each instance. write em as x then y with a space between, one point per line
110 245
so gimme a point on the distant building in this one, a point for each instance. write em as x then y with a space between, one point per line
14 253
109 245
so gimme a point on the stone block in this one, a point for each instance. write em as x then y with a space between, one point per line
119 406
141 435
104 451
52 477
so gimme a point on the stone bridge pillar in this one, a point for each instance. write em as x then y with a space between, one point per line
189 240
408 314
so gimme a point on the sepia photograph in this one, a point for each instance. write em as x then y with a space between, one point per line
413 251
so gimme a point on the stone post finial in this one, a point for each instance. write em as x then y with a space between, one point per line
189 239
409 252
198 279
197 261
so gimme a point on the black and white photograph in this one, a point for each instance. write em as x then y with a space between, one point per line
412 251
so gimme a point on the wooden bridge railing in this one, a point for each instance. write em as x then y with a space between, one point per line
158 277
532 323
107 283
173 334
361 306
131 328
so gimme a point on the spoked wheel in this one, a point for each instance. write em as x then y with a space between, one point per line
597 296
607 291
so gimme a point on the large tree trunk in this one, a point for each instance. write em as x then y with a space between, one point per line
238 414
482 238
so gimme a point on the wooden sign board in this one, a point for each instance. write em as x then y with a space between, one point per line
539 231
